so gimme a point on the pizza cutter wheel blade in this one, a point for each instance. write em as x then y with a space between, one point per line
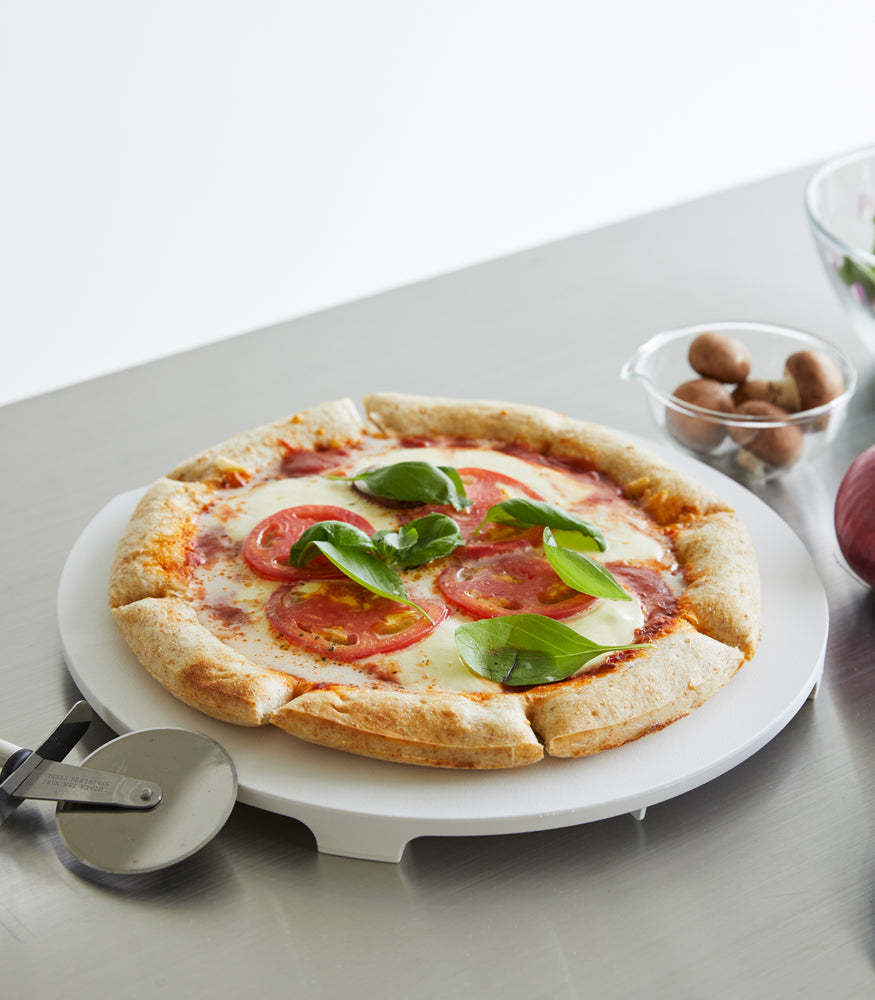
199 785
181 790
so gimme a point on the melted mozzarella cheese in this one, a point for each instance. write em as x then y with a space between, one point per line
436 661
242 513
433 663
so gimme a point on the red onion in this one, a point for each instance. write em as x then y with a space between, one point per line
855 516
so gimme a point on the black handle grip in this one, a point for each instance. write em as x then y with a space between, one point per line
13 762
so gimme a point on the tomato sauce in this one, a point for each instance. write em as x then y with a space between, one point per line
213 545
659 604
229 615
312 463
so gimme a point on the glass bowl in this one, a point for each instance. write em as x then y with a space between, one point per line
840 204
744 446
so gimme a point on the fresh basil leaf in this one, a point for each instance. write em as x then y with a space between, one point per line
417 482
581 572
456 479
366 570
521 511
337 532
574 540
419 541
521 650
852 273
388 545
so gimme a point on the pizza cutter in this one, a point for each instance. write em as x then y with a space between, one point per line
139 803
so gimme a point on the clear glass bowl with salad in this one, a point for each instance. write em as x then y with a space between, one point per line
840 203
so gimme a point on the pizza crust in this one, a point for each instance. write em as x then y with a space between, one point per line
200 670
667 494
397 413
441 729
153 556
722 598
718 626
647 693
235 461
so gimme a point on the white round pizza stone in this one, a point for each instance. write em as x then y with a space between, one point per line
363 808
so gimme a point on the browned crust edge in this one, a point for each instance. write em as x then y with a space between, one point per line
152 557
236 460
440 729
645 694
667 494
197 668
723 594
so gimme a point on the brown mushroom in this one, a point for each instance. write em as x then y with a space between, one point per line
774 447
718 356
752 388
811 378
701 434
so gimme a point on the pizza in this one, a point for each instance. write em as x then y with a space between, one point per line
451 583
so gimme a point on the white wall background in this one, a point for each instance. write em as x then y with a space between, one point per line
175 172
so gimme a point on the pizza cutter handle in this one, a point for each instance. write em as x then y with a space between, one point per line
66 735
12 757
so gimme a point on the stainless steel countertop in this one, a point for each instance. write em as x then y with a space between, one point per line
757 884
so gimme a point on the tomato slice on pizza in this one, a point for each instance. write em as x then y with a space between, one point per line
267 547
341 619
510 583
486 488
